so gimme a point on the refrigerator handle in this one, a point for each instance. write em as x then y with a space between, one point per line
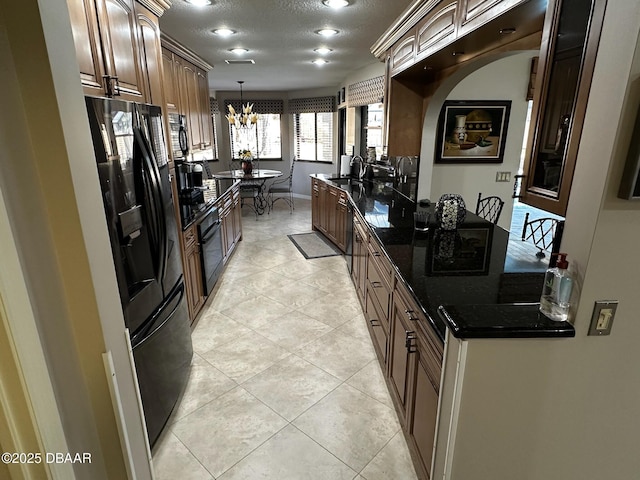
155 197
150 328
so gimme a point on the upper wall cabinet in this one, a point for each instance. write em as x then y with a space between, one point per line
117 48
186 87
572 28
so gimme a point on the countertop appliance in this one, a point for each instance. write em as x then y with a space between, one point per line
179 138
210 240
132 161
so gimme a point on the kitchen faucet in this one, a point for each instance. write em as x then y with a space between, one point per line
361 162
400 167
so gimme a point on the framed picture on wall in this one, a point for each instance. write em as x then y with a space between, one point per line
472 131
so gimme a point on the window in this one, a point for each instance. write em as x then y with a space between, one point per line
314 136
372 118
263 139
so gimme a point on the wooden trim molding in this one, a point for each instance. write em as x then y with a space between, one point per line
158 7
407 20
182 51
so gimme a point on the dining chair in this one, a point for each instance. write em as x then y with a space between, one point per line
545 233
489 208
282 189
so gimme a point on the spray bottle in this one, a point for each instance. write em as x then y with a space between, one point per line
556 292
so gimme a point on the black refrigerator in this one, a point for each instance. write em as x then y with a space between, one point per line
132 163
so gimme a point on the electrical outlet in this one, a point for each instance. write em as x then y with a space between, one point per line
602 318
503 176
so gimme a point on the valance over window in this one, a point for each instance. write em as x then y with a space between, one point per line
312 105
259 106
365 92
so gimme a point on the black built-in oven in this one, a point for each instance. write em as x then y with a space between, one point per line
210 240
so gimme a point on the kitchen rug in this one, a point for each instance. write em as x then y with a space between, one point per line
313 245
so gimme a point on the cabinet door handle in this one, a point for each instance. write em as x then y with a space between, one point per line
408 342
373 322
376 284
410 315
375 254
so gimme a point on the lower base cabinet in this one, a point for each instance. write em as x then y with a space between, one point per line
422 426
193 272
231 219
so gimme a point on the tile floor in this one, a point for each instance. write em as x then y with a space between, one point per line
284 383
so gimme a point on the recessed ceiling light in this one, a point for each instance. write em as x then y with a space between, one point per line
224 32
335 3
323 50
199 3
238 51
327 32
319 61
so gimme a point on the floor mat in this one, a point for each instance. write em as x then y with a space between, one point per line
313 245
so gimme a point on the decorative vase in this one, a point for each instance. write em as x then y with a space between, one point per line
450 211
459 131
247 166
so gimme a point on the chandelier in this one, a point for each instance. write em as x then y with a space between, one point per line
245 119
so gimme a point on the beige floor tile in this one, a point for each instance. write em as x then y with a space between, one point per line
172 460
290 455
356 327
295 294
297 268
369 380
246 356
328 278
328 311
256 311
392 462
224 431
349 424
291 386
215 329
222 427
205 383
338 355
293 330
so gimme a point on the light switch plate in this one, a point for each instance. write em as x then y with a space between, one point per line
602 318
503 176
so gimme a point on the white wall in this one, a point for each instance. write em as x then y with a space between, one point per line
503 79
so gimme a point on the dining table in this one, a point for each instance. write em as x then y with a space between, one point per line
254 181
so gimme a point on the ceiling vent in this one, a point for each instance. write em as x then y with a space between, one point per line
240 62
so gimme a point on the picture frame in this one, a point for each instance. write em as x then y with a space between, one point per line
464 251
472 131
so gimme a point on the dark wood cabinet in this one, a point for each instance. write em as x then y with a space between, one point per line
565 69
231 221
150 55
330 212
359 257
401 354
424 404
193 272
170 81
117 48
187 92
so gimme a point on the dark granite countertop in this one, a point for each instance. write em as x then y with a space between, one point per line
467 279
213 190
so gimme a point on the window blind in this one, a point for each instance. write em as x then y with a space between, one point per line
312 105
365 92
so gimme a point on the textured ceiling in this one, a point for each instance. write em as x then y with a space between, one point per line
279 35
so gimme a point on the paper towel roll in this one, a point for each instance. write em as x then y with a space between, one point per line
345 164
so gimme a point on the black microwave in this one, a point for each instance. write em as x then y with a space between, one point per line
179 138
